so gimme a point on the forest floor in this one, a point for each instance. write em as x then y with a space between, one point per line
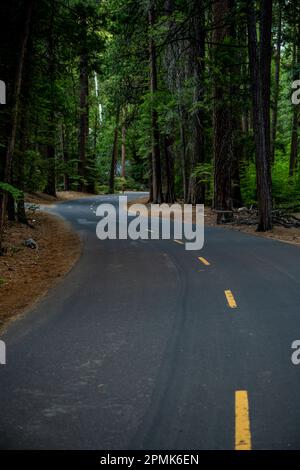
287 235
26 273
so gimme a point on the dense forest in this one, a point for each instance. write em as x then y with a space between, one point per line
187 99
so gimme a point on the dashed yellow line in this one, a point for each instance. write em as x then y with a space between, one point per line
230 299
242 421
204 261
179 241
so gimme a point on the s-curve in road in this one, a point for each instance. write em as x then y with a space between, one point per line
145 345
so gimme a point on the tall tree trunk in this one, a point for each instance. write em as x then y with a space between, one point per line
91 159
51 157
83 108
183 153
167 140
66 155
50 152
169 163
236 111
123 153
21 213
150 177
114 156
260 72
15 110
294 142
276 82
222 117
157 195
238 152
295 119
196 188
91 186
11 210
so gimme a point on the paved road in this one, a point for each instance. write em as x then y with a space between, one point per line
138 347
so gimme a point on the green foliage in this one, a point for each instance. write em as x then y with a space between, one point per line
102 189
248 184
285 188
9 188
127 184
35 169
204 174
120 183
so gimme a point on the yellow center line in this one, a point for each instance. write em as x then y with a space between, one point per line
242 421
204 261
179 241
230 299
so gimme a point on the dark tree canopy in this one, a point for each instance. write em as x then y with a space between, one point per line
190 100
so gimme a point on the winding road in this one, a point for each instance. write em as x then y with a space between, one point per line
145 345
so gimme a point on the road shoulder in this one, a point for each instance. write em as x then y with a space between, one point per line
27 273
279 233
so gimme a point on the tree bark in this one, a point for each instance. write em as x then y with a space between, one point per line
169 196
66 155
83 108
51 157
123 152
236 111
11 211
114 156
294 142
15 110
197 189
50 152
157 196
295 119
21 213
260 74
183 156
222 117
276 82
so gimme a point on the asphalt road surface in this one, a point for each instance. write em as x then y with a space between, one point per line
145 346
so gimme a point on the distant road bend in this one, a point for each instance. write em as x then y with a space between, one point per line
145 345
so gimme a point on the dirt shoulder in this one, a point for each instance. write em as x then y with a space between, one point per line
26 273
41 198
287 235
